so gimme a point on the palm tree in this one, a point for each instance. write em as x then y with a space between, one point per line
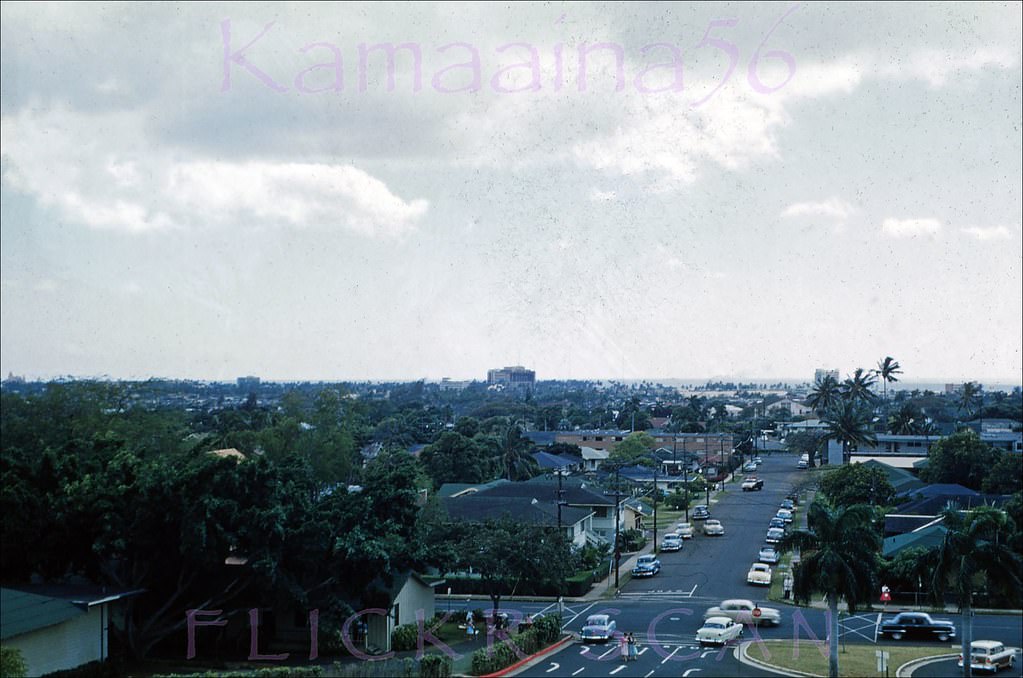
968 397
887 369
904 421
858 387
849 423
975 544
825 394
839 559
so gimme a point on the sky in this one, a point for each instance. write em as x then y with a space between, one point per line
590 190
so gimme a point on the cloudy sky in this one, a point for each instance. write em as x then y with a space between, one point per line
760 189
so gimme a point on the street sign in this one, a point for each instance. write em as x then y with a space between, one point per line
756 612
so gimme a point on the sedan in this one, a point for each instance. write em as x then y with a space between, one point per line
777 522
990 655
769 555
598 627
685 530
774 535
718 631
671 542
646 566
744 612
784 515
788 505
713 528
749 467
701 512
759 574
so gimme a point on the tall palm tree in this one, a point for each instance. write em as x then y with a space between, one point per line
887 369
968 398
849 422
858 387
975 544
838 558
906 420
825 394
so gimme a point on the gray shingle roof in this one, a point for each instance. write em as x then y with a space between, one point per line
22 612
476 508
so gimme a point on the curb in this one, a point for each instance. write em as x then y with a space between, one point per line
550 649
744 658
909 667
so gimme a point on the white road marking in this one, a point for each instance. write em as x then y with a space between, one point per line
877 626
614 648
648 675
617 669
692 591
586 648
707 652
688 671
578 671
565 625
642 651
671 655
554 667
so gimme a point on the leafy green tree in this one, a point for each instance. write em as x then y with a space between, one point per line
852 484
453 458
838 558
975 548
906 420
1005 476
804 442
635 449
961 458
848 422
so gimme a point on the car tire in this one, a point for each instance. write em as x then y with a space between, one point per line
943 637
897 635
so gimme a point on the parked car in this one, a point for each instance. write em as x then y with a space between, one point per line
646 566
788 505
752 484
803 464
757 460
918 625
749 467
759 574
701 512
598 627
741 611
774 535
990 655
718 631
671 542
777 522
685 530
784 515
769 554
714 528
793 497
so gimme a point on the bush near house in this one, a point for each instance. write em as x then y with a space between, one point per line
12 663
545 631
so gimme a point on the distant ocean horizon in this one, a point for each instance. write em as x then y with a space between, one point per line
937 386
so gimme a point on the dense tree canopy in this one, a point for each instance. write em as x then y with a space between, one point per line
857 484
961 458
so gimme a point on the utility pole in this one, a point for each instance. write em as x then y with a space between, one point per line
685 475
618 521
656 492
560 498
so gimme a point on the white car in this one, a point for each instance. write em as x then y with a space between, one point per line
671 542
784 514
744 612
718 631
759 574
598 627
990 655
769 555
685 530
774 535
714 528
749 467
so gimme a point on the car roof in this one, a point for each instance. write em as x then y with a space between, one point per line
986 643
598 617
719 620
737 601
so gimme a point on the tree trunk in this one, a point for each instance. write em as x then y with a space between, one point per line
966 631
833 635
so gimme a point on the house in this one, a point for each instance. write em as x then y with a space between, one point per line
902 480
593 458
558 462
793 407
636 515
473 508
927 536
904 451
59 630
462 489
410 597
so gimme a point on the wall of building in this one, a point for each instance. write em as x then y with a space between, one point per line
64 646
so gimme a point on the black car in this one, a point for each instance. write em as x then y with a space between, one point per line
700 512
918 625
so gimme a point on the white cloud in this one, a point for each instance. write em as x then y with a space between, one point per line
910 228
940 67
984 233
71 162
597 195
833 208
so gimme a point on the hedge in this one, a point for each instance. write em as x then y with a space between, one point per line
431 666
12 663
545 631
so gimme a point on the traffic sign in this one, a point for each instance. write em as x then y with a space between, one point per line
756 612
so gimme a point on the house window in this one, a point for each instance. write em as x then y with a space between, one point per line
599 438
618 439
601 512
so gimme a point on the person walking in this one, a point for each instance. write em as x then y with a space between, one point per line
623 646
633 653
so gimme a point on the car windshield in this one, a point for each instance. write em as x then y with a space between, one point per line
713 625
646 560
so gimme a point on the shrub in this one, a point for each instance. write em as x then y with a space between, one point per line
12 663
435 666
405 637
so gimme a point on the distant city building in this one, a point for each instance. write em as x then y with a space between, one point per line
14 379
952 388
447 384
248 383
516 375
821 374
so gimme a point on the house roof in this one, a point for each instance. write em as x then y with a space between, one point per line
229 452
457 489
592 454
902 480
541 437
926 537
22 612
574 492
548 460
945 490
932 506
475 509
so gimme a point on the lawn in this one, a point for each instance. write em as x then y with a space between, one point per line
855 660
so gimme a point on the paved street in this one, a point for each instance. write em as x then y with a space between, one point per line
666 610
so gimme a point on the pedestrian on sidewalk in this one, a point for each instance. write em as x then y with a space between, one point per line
787 586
